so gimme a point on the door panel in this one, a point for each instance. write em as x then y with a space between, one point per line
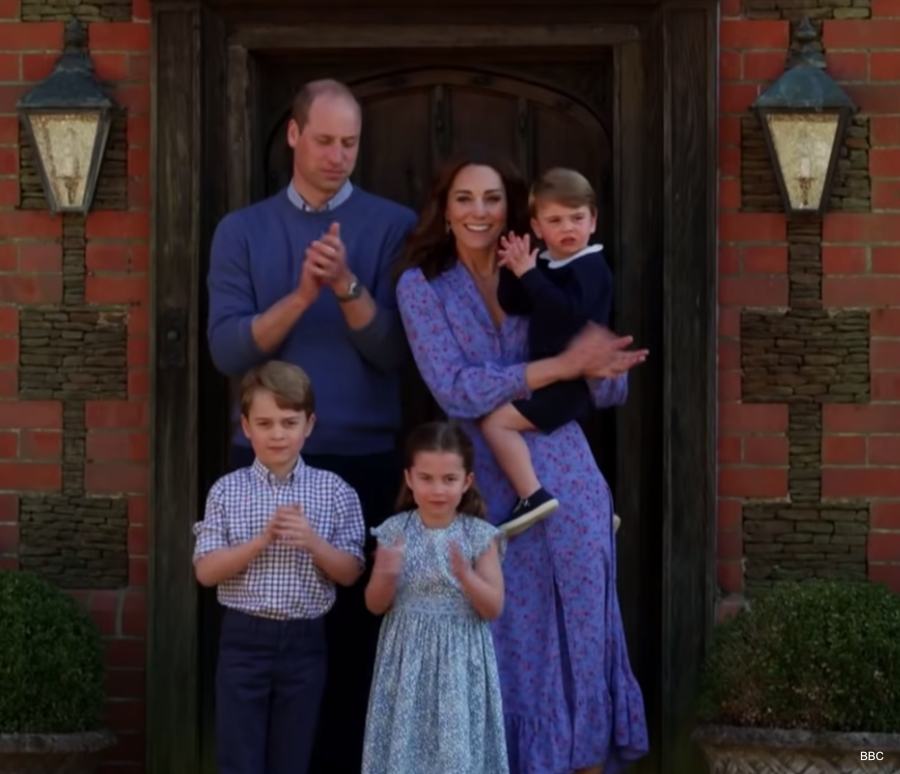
387 157
485 118
560 140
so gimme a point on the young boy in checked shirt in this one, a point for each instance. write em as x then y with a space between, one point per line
275 539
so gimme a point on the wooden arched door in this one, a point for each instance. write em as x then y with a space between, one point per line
414 119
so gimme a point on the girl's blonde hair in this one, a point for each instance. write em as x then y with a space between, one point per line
443 437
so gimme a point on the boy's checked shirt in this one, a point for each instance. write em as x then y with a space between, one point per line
282 582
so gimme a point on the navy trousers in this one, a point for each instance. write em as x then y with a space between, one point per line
270 678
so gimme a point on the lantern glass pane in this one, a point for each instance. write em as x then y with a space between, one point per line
803 143
65 144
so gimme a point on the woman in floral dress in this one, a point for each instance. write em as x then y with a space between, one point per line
571 702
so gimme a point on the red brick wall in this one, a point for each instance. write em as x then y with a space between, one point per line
116 255
860 444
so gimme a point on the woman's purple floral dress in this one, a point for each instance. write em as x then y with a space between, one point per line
570 699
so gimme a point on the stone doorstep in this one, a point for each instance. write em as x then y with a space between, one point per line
55 744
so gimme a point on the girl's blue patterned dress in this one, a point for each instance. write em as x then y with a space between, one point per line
435 705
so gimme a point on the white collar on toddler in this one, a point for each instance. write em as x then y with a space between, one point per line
558 264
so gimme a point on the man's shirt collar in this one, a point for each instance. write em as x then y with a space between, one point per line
335 201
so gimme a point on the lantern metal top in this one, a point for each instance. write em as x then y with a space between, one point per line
805 85
72 85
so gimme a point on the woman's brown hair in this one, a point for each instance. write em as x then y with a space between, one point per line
431 247
443 437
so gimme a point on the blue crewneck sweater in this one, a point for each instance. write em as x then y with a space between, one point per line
256 259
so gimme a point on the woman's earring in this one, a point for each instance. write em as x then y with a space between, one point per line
447 226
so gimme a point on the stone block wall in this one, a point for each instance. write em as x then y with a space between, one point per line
809 326
74 318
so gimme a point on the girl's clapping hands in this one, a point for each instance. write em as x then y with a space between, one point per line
460 566
389 558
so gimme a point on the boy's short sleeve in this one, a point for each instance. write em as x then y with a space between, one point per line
350 532
212 532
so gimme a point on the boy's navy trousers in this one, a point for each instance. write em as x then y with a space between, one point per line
269 682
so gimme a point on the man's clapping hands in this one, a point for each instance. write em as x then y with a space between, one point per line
327 258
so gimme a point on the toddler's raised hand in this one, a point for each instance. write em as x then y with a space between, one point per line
515 254
389 558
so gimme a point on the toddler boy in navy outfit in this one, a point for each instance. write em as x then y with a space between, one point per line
563 289
275 539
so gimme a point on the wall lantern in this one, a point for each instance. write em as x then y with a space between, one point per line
804 117
67 118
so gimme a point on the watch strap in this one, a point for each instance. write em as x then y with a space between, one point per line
354 291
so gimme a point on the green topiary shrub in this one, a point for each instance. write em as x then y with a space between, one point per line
51 660
815 655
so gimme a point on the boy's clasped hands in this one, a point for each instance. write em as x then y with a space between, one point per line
289 524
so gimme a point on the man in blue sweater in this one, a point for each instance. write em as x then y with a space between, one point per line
305 277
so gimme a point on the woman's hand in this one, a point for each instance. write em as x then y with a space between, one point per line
597 353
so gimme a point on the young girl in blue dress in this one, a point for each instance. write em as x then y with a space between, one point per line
435 703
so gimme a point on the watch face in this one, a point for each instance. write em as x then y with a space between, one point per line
354 290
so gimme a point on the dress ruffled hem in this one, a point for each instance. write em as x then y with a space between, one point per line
629 740
534 746
545 745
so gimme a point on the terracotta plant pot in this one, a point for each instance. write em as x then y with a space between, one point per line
53 753
735 750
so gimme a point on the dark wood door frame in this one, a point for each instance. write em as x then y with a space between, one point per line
665 200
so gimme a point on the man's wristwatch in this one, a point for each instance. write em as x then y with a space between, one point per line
354 291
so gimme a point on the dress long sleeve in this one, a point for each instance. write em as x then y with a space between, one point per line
463 389
609 392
